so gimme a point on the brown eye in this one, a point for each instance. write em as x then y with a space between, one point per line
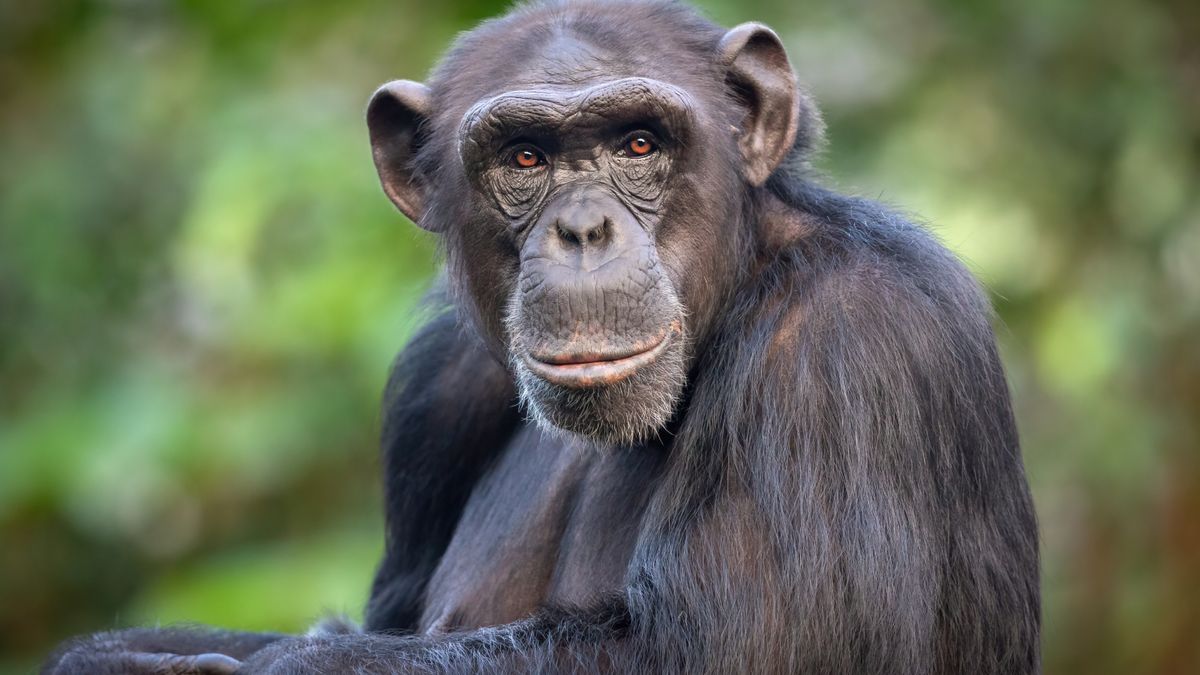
527 158
640 145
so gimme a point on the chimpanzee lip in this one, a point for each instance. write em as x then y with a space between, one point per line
584 369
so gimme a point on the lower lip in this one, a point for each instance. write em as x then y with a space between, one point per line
598 373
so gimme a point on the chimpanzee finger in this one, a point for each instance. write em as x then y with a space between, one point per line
179 664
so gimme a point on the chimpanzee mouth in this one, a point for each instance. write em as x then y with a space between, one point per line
586 368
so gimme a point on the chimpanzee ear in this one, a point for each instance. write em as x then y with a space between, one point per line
395 116
758 71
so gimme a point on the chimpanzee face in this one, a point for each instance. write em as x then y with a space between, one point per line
595 326
591 205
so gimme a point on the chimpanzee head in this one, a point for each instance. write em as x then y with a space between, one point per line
593 169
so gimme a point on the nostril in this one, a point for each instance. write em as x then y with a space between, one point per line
567 236
582 235
598 234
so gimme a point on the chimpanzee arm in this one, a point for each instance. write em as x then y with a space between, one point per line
552 641
449 406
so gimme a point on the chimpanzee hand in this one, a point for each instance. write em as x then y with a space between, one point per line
173 650
85 658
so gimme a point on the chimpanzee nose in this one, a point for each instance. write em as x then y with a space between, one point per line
585 230
585 220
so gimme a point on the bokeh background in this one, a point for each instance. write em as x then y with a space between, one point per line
201 288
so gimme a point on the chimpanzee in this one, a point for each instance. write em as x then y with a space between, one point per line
680 408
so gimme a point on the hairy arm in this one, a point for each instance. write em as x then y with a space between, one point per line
448 408
552 641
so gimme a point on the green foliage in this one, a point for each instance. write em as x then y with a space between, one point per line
201 287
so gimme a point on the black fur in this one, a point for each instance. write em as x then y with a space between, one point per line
839 491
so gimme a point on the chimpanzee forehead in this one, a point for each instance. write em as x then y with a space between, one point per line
568 60
564 59
568 46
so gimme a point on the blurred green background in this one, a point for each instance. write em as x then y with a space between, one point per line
201 288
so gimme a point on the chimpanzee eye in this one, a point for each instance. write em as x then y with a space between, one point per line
639 144
526 157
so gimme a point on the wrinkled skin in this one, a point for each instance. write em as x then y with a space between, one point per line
596 333
595 327
680 409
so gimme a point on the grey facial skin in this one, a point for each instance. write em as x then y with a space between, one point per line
679 408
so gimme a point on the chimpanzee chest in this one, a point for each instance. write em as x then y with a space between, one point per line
552 521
